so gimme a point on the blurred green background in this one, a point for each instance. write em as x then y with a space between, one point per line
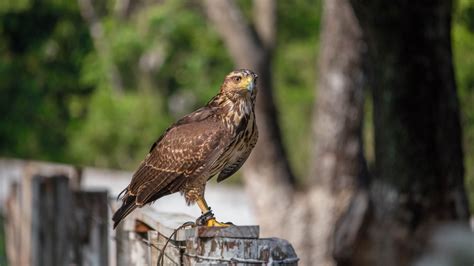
98 89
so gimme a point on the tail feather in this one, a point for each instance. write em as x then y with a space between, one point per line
127 207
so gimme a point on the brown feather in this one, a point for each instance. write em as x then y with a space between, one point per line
127 207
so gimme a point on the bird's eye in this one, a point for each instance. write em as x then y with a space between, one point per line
237 78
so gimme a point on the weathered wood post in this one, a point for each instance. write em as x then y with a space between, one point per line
49 223
196 245
90 235
12 225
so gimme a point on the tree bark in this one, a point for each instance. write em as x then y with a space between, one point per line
418 180
339 171
267 174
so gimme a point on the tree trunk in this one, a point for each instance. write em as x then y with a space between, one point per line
418 180
339 170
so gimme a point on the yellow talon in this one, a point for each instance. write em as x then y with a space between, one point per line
207 216
213 222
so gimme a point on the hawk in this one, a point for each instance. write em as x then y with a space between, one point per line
214 140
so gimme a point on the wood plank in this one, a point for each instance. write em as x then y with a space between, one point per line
13 226
164 223
25 220
90 234
172 252
247 231
131 247
122 244
268 251
154 248
51 214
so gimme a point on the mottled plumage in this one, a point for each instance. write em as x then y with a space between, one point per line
214 140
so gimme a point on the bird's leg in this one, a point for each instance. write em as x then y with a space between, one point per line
207 218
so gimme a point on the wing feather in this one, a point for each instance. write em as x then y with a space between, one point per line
184 152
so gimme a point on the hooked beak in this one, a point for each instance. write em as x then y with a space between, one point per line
252 82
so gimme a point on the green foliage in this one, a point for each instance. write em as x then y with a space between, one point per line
42 46
14 6
118 130
66 98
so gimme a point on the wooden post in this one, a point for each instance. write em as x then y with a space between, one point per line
90 234
12 225
51 220
131 246
3 254
199 244
172 253
236 244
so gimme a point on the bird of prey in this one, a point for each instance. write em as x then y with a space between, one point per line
214 140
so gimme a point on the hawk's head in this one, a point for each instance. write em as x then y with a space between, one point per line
241 82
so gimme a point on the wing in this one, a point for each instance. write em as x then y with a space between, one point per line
184 152
201 114
234 165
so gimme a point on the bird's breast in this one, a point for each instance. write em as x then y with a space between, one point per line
245 138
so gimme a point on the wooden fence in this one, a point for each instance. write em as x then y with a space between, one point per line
50 220
141 240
